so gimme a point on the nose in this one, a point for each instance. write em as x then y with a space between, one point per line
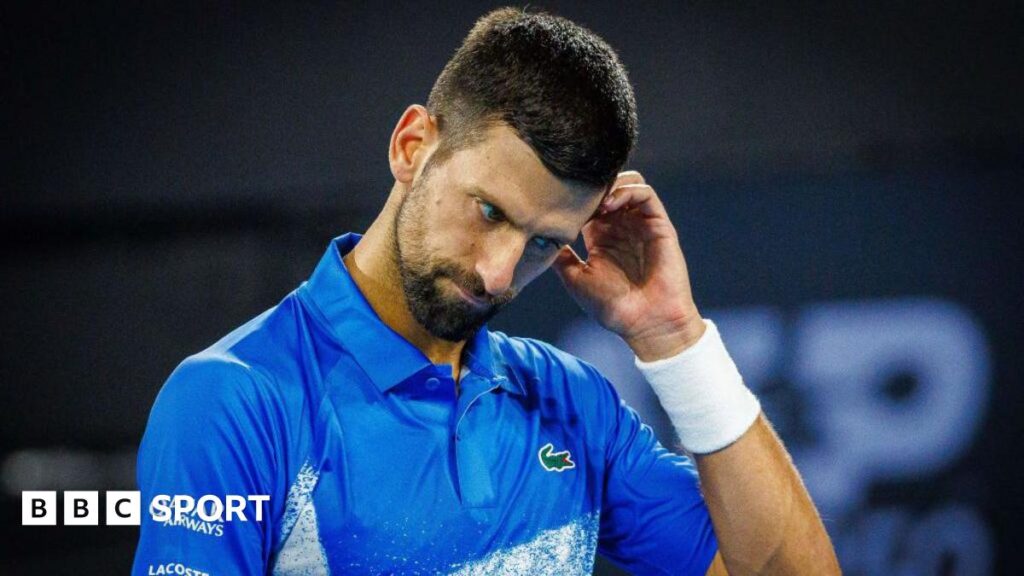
496 264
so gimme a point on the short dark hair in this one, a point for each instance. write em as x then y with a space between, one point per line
557 84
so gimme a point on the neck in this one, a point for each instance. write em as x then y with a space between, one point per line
373 268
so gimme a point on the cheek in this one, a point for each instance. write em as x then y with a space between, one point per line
529 269
450 231
464 228
433 219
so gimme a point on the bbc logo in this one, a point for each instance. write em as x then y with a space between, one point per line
81 508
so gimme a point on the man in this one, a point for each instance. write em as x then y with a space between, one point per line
395 434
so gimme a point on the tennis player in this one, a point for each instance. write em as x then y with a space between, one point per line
394 433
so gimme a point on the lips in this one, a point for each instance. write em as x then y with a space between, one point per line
469 298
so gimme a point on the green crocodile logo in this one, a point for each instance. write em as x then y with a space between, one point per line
557 461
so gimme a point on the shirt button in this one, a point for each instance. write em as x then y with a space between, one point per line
432 383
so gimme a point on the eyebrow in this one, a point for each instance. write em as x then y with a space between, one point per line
476 190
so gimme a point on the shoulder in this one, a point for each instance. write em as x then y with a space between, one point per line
564 388
260 345
235 377
214 412
548 371
209 377
208 395
536 358
245 365
226 414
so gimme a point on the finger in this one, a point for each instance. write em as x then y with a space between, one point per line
639 196
568 265
624 178
628 177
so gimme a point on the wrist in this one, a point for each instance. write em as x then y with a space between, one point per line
665 342
703 394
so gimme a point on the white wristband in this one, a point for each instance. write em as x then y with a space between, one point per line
703 394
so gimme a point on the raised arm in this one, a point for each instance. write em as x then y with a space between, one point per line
635 283
763 517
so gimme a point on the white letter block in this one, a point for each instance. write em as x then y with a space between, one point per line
123 508
81 508
38 508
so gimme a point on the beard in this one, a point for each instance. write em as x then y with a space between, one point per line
443 314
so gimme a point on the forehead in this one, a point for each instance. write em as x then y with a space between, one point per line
508 172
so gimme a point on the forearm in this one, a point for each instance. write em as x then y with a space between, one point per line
763 516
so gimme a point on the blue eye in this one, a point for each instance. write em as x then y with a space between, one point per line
490 212
543 243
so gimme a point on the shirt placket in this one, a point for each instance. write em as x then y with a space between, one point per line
473 444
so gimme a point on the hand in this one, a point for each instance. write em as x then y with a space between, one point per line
634 281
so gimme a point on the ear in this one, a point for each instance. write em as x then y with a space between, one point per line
412 142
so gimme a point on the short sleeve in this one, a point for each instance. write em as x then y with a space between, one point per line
653 517
208 434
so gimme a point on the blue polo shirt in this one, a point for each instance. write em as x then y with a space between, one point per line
374 465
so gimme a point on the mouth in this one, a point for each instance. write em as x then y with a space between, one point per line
469 298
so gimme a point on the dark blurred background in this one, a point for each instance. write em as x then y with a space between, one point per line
845 179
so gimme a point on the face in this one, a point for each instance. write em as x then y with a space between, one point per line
472 232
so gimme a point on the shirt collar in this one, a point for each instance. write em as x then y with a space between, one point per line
387 357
